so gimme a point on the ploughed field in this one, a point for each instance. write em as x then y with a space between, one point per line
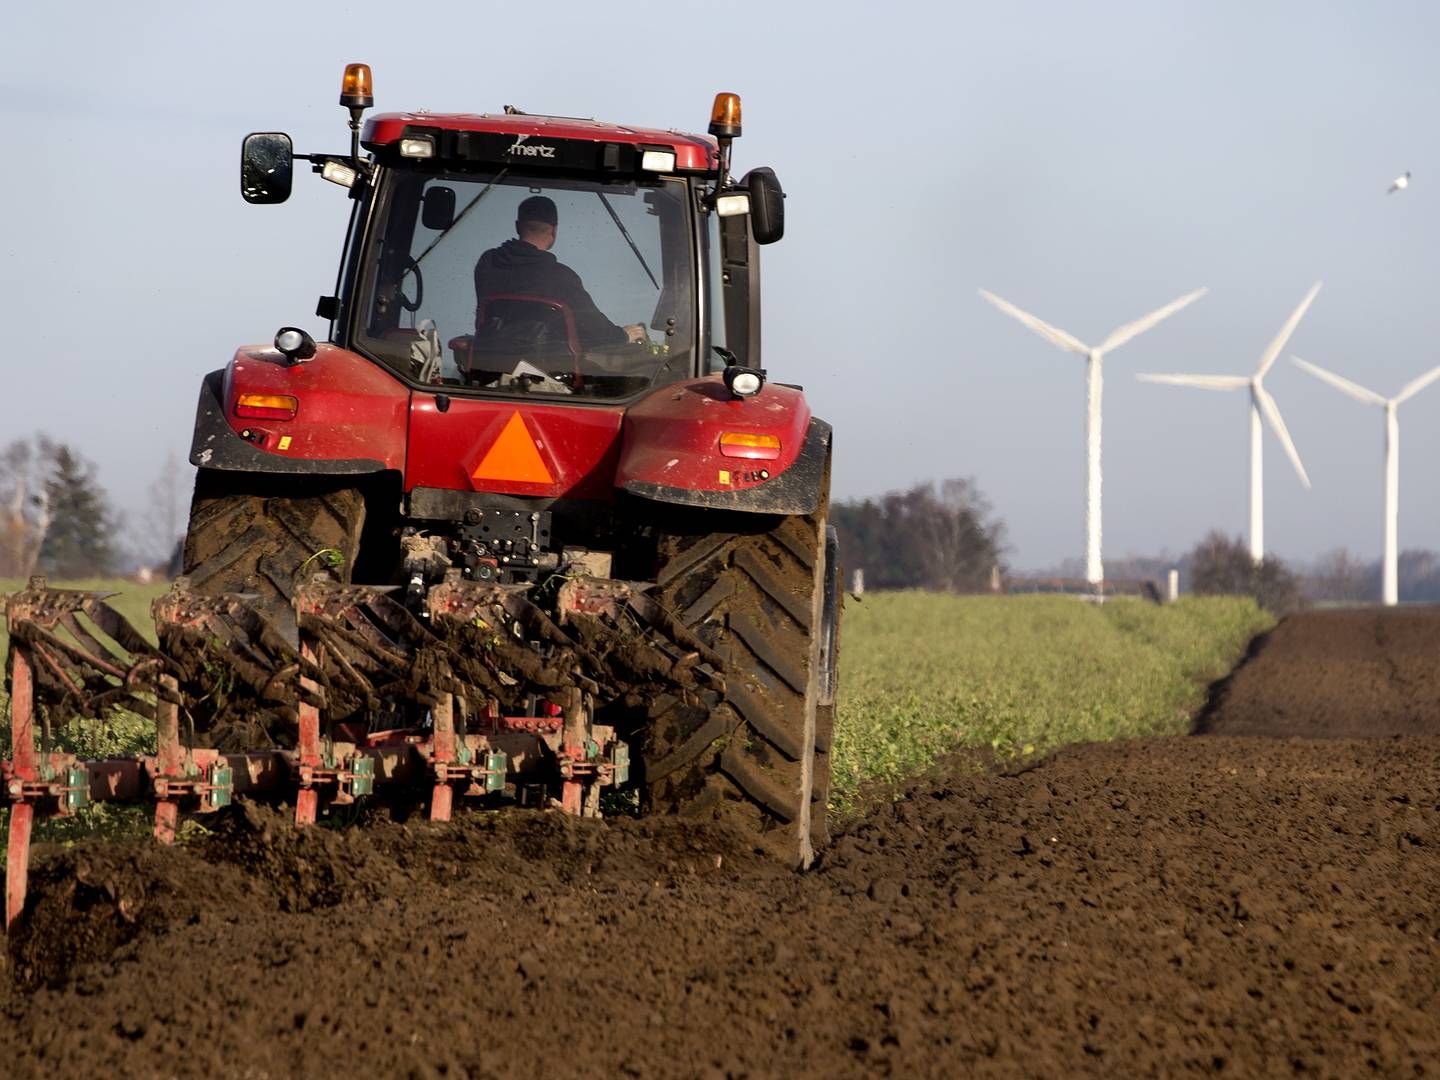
1220 903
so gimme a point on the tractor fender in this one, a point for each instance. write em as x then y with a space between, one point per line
351 417
798 488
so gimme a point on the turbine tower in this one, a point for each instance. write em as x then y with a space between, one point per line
1094 382
1390 586
1260 402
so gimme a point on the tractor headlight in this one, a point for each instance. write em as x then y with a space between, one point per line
661 161
744 381
417 146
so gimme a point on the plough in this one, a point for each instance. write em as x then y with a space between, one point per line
484 696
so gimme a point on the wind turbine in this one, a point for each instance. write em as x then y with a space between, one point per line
1094 382
1390 587
1260 402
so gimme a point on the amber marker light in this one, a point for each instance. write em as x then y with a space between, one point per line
356 90
725 116
266 406
747 444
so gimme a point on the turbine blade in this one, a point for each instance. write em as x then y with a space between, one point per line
1140 325
1050 333
1200 382
1344 385
1277 424
1414 386
1267 358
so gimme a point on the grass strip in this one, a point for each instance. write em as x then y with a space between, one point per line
922 674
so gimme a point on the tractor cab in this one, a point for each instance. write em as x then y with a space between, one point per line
519 255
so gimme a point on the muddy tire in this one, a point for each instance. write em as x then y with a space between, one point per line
262 535
758 755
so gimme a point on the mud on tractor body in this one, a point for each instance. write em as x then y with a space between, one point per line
483 543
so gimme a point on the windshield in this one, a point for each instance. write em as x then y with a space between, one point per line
526 285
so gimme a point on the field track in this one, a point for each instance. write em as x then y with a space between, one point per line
1218 904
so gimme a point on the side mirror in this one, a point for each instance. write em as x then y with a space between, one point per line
267 167
767 205
437 208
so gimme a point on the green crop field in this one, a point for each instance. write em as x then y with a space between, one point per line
923 673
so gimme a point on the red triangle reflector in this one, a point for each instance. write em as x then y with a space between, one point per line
514 456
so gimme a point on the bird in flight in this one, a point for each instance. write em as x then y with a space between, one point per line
1400 183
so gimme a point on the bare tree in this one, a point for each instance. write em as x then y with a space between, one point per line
25 510
166 492
1340 575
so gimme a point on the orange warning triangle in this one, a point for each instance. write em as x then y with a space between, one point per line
514 456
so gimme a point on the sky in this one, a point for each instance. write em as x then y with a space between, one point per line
1088 162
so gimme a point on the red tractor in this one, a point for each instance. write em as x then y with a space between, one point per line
530 525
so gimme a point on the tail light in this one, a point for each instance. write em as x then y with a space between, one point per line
748 444
266 406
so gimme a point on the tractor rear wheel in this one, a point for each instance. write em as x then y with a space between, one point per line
758 755
264 535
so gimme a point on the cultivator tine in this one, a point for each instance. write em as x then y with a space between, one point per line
23 768
227 654
81 676
443 722
169 758
357 652
362 644
613 616
312 656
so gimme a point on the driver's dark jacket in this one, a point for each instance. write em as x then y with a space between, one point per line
518 267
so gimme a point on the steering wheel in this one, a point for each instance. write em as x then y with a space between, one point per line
410 267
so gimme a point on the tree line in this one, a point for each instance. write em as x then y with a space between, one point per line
945 537
931 536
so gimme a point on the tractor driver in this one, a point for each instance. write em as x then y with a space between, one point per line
525 266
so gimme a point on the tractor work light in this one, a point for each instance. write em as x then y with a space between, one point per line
743 381
266 406
747 444
725 116
295 343
661 161
732 204
420 146
356 89
338 172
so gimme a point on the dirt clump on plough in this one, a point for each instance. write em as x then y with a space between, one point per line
1151 907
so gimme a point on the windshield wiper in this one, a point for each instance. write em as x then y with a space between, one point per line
461 216
626 233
